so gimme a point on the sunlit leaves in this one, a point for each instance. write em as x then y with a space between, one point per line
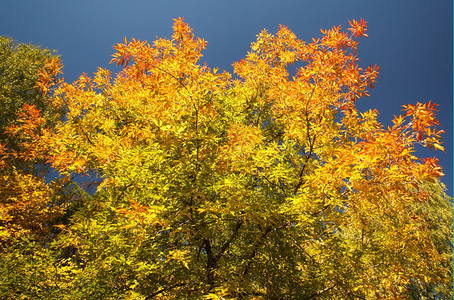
47 76
29 207
214 185
358 29
20 66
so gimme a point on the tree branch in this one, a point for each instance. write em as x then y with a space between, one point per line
257 244
229 241
316 294
164 289
210 264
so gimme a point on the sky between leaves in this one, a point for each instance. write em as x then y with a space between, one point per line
411 41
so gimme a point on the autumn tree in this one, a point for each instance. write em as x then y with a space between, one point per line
256 184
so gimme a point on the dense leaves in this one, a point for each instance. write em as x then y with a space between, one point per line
28 205
20 65
256 184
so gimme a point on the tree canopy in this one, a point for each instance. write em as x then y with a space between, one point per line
263 184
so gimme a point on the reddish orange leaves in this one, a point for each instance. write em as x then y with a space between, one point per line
48 75
358 29
423 123
126 51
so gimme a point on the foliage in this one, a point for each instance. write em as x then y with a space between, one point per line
27 204
258 185
29 271
20 65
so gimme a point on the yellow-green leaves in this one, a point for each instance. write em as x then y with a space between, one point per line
265 185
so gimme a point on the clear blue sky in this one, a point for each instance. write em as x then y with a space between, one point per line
410 40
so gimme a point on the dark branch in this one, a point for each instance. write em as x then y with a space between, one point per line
164 289
319 293
229 241
257 244
210 263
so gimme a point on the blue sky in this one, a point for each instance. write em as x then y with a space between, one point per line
410 40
